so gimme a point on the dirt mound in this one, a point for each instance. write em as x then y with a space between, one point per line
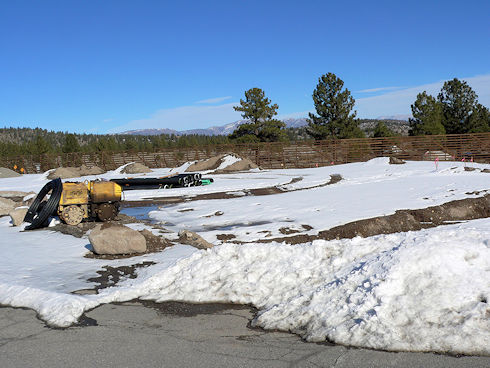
7 173
64 173
224 163
135 168
94 170
208 164
74 172
243 165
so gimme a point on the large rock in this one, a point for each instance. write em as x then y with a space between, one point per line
6 205
396 161
111 238
17 215
191 238
135 168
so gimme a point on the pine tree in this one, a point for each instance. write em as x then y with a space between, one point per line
41 146
427 116
479 120
71 144
262 127
333 106
458 101
381 130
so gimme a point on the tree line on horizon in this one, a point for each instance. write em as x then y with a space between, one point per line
455 110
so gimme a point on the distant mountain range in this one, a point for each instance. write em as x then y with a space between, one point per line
400 126
215 130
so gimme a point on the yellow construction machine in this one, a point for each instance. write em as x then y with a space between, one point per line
93 199
98 199
75 201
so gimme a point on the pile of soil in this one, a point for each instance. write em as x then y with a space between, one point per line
74 172
7 173
135 168
243 165
214 162
93 170
205 165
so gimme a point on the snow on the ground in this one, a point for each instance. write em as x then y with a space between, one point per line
425 291
368 189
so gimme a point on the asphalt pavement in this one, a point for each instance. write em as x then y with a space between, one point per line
180 335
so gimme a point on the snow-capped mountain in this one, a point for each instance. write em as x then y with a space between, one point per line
215 130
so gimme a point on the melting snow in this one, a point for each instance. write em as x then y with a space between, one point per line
419 291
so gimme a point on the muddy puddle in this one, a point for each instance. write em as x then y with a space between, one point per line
140 213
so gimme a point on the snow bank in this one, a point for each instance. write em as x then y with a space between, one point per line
416 291
419 291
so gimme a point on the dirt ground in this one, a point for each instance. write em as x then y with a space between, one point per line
278 189
400 221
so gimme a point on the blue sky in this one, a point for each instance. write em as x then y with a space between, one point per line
108 66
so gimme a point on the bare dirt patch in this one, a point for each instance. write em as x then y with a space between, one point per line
278 189
110 276
401 221
225 237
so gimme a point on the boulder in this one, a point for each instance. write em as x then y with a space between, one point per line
111 238
135 168
6 205
17 215
191 238
396 161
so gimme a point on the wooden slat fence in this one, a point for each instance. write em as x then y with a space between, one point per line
280 154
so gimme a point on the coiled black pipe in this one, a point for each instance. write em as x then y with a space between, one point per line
37 215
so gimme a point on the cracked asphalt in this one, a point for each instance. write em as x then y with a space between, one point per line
133 335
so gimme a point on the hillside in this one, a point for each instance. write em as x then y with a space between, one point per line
367 125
